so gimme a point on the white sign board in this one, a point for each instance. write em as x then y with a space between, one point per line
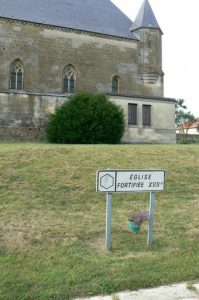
113 181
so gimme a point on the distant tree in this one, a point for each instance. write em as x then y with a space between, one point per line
198 128
86 119
182 117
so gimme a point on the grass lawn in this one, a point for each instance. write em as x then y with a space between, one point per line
52 221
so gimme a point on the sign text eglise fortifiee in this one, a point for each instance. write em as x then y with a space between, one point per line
113 181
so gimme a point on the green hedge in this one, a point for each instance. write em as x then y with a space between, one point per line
86 119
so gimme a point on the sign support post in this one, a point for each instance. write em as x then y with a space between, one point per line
151 218
108 221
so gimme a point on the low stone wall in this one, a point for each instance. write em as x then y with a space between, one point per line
23 116
22 134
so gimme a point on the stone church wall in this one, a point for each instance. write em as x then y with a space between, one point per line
23 116
45 51
162 129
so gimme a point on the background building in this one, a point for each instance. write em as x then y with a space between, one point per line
189 127
65 46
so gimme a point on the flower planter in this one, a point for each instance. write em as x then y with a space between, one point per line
134 227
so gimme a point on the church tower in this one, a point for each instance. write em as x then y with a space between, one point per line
147 29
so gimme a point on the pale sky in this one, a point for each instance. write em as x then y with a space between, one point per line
179 22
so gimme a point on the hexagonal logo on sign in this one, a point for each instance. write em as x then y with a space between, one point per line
107 181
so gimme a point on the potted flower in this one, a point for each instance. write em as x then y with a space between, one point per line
135 221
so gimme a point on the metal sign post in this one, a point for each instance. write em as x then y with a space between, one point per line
151 219
120 181
108 221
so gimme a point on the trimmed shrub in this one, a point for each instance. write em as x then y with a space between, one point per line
86 119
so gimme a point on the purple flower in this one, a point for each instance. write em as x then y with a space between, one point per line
139 218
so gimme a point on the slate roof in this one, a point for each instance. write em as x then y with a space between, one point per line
98 16
145 18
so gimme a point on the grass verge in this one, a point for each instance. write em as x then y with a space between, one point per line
52 221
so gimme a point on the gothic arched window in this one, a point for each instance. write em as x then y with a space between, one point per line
115 88
16 76
69 79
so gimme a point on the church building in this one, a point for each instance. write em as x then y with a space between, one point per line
51 49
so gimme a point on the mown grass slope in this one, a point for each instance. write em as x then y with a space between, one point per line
52 221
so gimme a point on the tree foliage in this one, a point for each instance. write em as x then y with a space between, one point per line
86 119
181 115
